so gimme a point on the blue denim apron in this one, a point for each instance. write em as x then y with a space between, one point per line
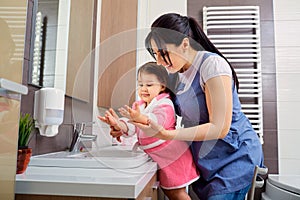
226 165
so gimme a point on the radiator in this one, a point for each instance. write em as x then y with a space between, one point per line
235 31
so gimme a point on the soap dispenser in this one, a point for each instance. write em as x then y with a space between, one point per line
48 110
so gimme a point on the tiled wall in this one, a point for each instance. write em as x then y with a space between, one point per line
268 69
270 145
287 41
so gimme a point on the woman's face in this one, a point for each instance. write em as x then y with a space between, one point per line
176 55
149 87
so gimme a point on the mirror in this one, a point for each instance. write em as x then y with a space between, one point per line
50 29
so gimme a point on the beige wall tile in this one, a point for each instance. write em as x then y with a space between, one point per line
286 10
287 45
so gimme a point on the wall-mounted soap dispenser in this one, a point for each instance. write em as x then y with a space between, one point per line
48 110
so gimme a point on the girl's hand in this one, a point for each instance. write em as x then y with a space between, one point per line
134 114
112 119
130 113
104 118
124 111
116 134
109 114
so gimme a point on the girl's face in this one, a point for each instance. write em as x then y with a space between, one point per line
176 55
149 87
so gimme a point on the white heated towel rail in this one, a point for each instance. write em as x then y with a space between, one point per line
235 31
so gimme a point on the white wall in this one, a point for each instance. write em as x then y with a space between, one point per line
62 44
148 11
287 48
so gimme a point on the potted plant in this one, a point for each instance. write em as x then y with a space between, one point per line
26 125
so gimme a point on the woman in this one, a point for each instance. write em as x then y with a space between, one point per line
224 145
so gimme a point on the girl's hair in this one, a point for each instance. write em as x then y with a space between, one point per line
159 71
172 28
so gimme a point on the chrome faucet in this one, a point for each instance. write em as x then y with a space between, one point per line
79 136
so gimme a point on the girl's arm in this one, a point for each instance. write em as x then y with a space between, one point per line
218 92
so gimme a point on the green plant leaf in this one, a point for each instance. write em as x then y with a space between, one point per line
26 125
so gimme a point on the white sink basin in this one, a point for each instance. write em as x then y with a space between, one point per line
115 157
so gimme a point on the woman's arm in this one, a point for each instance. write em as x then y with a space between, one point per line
218 92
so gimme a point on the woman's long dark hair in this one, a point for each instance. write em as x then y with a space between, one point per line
172 28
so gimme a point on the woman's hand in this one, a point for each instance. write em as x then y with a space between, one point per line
152 129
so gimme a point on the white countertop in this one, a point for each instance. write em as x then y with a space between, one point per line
113 183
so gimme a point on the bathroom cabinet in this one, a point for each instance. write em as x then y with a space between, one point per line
57 183
117 53
149 192
81 45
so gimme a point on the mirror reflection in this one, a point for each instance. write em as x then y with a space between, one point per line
50 43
